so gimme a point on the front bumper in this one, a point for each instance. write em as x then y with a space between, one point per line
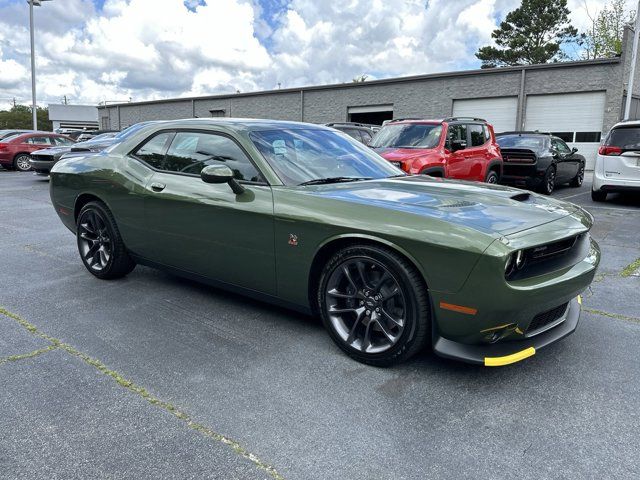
41 166
505 353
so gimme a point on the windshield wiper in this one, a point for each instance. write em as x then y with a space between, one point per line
322 181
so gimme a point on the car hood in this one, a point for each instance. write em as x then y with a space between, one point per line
492 209
93 146
402 154
53 151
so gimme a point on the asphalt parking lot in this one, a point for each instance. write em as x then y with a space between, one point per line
156 376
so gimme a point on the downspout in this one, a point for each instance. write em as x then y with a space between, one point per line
118 110
302 105
520 114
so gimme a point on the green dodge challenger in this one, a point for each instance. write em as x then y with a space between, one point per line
304 216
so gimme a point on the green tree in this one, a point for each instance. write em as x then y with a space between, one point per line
532 33
19 117
360 78
604 37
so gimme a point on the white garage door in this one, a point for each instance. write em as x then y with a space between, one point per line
500 112
575 117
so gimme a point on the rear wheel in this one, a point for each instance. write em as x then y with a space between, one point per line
99 243
374 304
598 195
549 181
21 162
492 177
579 178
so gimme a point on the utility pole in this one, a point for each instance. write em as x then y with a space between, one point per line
632 71
34 108
14 102
65 100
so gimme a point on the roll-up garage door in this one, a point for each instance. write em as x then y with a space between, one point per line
500 112
577 118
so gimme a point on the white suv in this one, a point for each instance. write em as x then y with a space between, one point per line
617 166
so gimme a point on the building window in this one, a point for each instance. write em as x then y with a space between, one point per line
566 136
217 112
588 137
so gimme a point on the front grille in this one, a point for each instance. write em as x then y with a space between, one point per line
44 158
545 318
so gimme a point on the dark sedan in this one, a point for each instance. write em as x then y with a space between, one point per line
539 161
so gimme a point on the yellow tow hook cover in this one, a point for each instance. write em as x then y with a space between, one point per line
509 359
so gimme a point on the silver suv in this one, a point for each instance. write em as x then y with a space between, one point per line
617 167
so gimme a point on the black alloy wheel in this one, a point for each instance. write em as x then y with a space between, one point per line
21 162
99 243
492 177
374 305
549 181
579 178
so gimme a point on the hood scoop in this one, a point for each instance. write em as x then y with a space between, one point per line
521 197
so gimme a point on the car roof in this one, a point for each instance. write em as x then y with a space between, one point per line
248 124
524 133
627 123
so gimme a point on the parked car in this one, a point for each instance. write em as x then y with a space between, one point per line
15 150
89 135
362 132
617 167
303 216
462 148
10 133
42 160
539 161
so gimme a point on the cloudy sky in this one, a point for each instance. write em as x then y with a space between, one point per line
97 50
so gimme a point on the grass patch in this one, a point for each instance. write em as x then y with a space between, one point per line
23 356
630 269
617 316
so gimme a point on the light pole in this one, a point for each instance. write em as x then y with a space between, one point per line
34 108
632 72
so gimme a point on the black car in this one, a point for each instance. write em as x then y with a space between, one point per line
539 161
360 131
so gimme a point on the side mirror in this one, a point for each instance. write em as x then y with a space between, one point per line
574 150
458 145
221 174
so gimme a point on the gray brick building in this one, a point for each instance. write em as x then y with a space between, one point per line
579 101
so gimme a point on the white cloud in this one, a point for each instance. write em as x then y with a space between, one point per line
148 49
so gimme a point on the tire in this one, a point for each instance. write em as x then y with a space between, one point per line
21 162
378 312
492 177
598 195
99 243
579 178
549 181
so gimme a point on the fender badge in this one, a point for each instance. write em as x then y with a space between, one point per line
293 240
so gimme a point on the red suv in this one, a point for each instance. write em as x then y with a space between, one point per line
463 148
15 150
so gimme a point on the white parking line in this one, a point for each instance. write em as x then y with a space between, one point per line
575 195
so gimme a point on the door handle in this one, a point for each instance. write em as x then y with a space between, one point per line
157 187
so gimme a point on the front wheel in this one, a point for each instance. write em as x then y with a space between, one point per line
374 304
549 181
99 243
21 163
579 178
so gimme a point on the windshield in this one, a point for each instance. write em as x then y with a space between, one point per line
303 155
407 135
517 141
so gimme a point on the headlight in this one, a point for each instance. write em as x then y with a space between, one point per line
514 262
